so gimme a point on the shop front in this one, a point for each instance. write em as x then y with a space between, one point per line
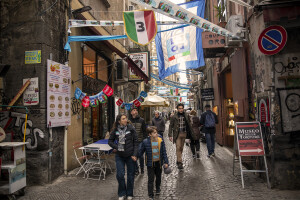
231 105
95 77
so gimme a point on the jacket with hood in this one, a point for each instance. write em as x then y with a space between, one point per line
159 123
147 147
140 127
131 144
174 126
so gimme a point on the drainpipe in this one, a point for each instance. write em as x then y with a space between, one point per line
50 156
66 151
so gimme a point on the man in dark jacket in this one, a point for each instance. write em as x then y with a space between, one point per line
159 123
209 120
140 128
179 129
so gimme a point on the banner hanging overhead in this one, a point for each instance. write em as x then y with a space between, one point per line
140 26
180 49
178 12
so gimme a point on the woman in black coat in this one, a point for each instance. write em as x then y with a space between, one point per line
195 141
123 139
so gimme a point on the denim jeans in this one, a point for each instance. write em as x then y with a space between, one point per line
120 164
210 142
141 160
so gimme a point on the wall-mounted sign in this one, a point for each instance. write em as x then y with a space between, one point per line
31 94
207 94
212 40
141 59
272 40
33 57
58 94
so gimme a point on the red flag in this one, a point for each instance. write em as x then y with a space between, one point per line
180 99
137 103
86 101
119 102
176 92
108 91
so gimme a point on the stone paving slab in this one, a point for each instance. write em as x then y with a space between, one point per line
201 179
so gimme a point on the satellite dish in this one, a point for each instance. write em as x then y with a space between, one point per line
2 134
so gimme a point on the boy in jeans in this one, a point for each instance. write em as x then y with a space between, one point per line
156 157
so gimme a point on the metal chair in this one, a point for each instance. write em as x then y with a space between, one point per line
95 164
82 160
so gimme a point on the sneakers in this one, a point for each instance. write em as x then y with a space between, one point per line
208 156
129 198
122 198
194 155
157 192
137 172
151 198
180 165
213 154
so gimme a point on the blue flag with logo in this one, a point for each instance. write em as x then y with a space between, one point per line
180 49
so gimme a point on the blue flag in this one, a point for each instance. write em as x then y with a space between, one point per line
180 49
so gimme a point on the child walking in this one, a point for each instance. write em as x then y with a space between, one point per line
156 157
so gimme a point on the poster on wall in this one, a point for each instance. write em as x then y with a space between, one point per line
31 94
58 94
141 59
290 109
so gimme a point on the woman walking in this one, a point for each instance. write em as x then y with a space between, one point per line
123 139
195 143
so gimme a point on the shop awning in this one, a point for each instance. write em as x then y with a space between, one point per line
155 101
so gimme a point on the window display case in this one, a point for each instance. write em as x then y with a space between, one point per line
230 122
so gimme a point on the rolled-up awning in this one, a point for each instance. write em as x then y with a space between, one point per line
155 101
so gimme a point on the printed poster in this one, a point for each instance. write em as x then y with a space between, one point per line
33 57
58 94
31 94
141 59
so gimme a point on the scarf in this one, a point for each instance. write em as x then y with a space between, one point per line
122 132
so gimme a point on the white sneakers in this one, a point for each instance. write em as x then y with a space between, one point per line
123 198
129 198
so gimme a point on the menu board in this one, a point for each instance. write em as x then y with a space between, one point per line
58 94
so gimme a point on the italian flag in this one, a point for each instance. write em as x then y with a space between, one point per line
140 26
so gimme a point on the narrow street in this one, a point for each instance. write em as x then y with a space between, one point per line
201 179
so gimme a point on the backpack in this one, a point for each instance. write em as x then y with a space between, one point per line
210 121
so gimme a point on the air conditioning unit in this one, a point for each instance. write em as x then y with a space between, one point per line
122 71
235 25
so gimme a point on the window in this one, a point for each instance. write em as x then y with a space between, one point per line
89 62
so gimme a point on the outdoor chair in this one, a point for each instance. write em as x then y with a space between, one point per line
82 159
95 164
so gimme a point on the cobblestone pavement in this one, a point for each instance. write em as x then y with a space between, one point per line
201 179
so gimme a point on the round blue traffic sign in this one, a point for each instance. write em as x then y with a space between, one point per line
272 40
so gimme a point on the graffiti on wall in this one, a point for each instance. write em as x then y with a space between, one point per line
290 68
13 124
290 109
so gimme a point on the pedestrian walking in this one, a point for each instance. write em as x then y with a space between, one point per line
140 128
123 140
195 141
159 122
179 130
209 120
156 157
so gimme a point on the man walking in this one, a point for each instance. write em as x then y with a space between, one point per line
179 130
209 120
140 128
159 123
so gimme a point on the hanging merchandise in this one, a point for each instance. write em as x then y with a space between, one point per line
140 26
94 100
136 103
86 101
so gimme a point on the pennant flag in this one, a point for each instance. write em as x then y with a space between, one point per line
137 103
119 102
140 26
171 91
108 90
176 92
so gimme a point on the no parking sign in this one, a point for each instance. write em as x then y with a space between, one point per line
272 40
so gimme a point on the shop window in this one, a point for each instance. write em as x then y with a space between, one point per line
89 62
102 69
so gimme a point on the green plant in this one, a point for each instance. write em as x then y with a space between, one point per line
220 10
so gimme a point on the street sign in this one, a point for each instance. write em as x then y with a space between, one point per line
207 94
272 40
250 141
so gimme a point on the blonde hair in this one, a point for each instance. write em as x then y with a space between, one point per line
193 112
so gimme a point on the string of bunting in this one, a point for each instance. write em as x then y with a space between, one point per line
136 103
94 100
